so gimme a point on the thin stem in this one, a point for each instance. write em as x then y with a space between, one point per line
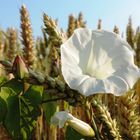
90 115
52 100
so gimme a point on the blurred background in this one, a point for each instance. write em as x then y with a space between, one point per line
111 12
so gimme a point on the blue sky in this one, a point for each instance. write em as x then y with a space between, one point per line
110 11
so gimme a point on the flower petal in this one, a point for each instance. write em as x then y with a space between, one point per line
98 62
60 118
89 85
79 42
130 74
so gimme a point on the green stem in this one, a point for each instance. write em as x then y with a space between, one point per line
91 118
52 100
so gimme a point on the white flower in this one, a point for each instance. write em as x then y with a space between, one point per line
98 62
63 117
60 118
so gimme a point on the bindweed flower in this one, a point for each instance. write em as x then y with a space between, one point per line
63 117
98 62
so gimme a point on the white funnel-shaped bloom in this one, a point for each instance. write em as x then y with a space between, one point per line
98 62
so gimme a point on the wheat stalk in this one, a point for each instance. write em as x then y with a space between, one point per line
72 25
12 50
51 29
110 128
27 38
116 29
99 26
128 116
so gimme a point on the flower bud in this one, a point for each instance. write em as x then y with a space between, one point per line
81 127
19 68
63 117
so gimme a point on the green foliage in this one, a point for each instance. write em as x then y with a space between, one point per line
30 109
3 109
11 85
2 80
22 108
71 134
12 120
49 108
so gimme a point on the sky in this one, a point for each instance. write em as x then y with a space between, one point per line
112 12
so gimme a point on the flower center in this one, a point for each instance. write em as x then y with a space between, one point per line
101 72
99 67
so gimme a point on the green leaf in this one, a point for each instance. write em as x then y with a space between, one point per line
71 134
34 94
12 120
22 110
3 109
30 103
15 85
49 108
6 92
28 117
2 80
